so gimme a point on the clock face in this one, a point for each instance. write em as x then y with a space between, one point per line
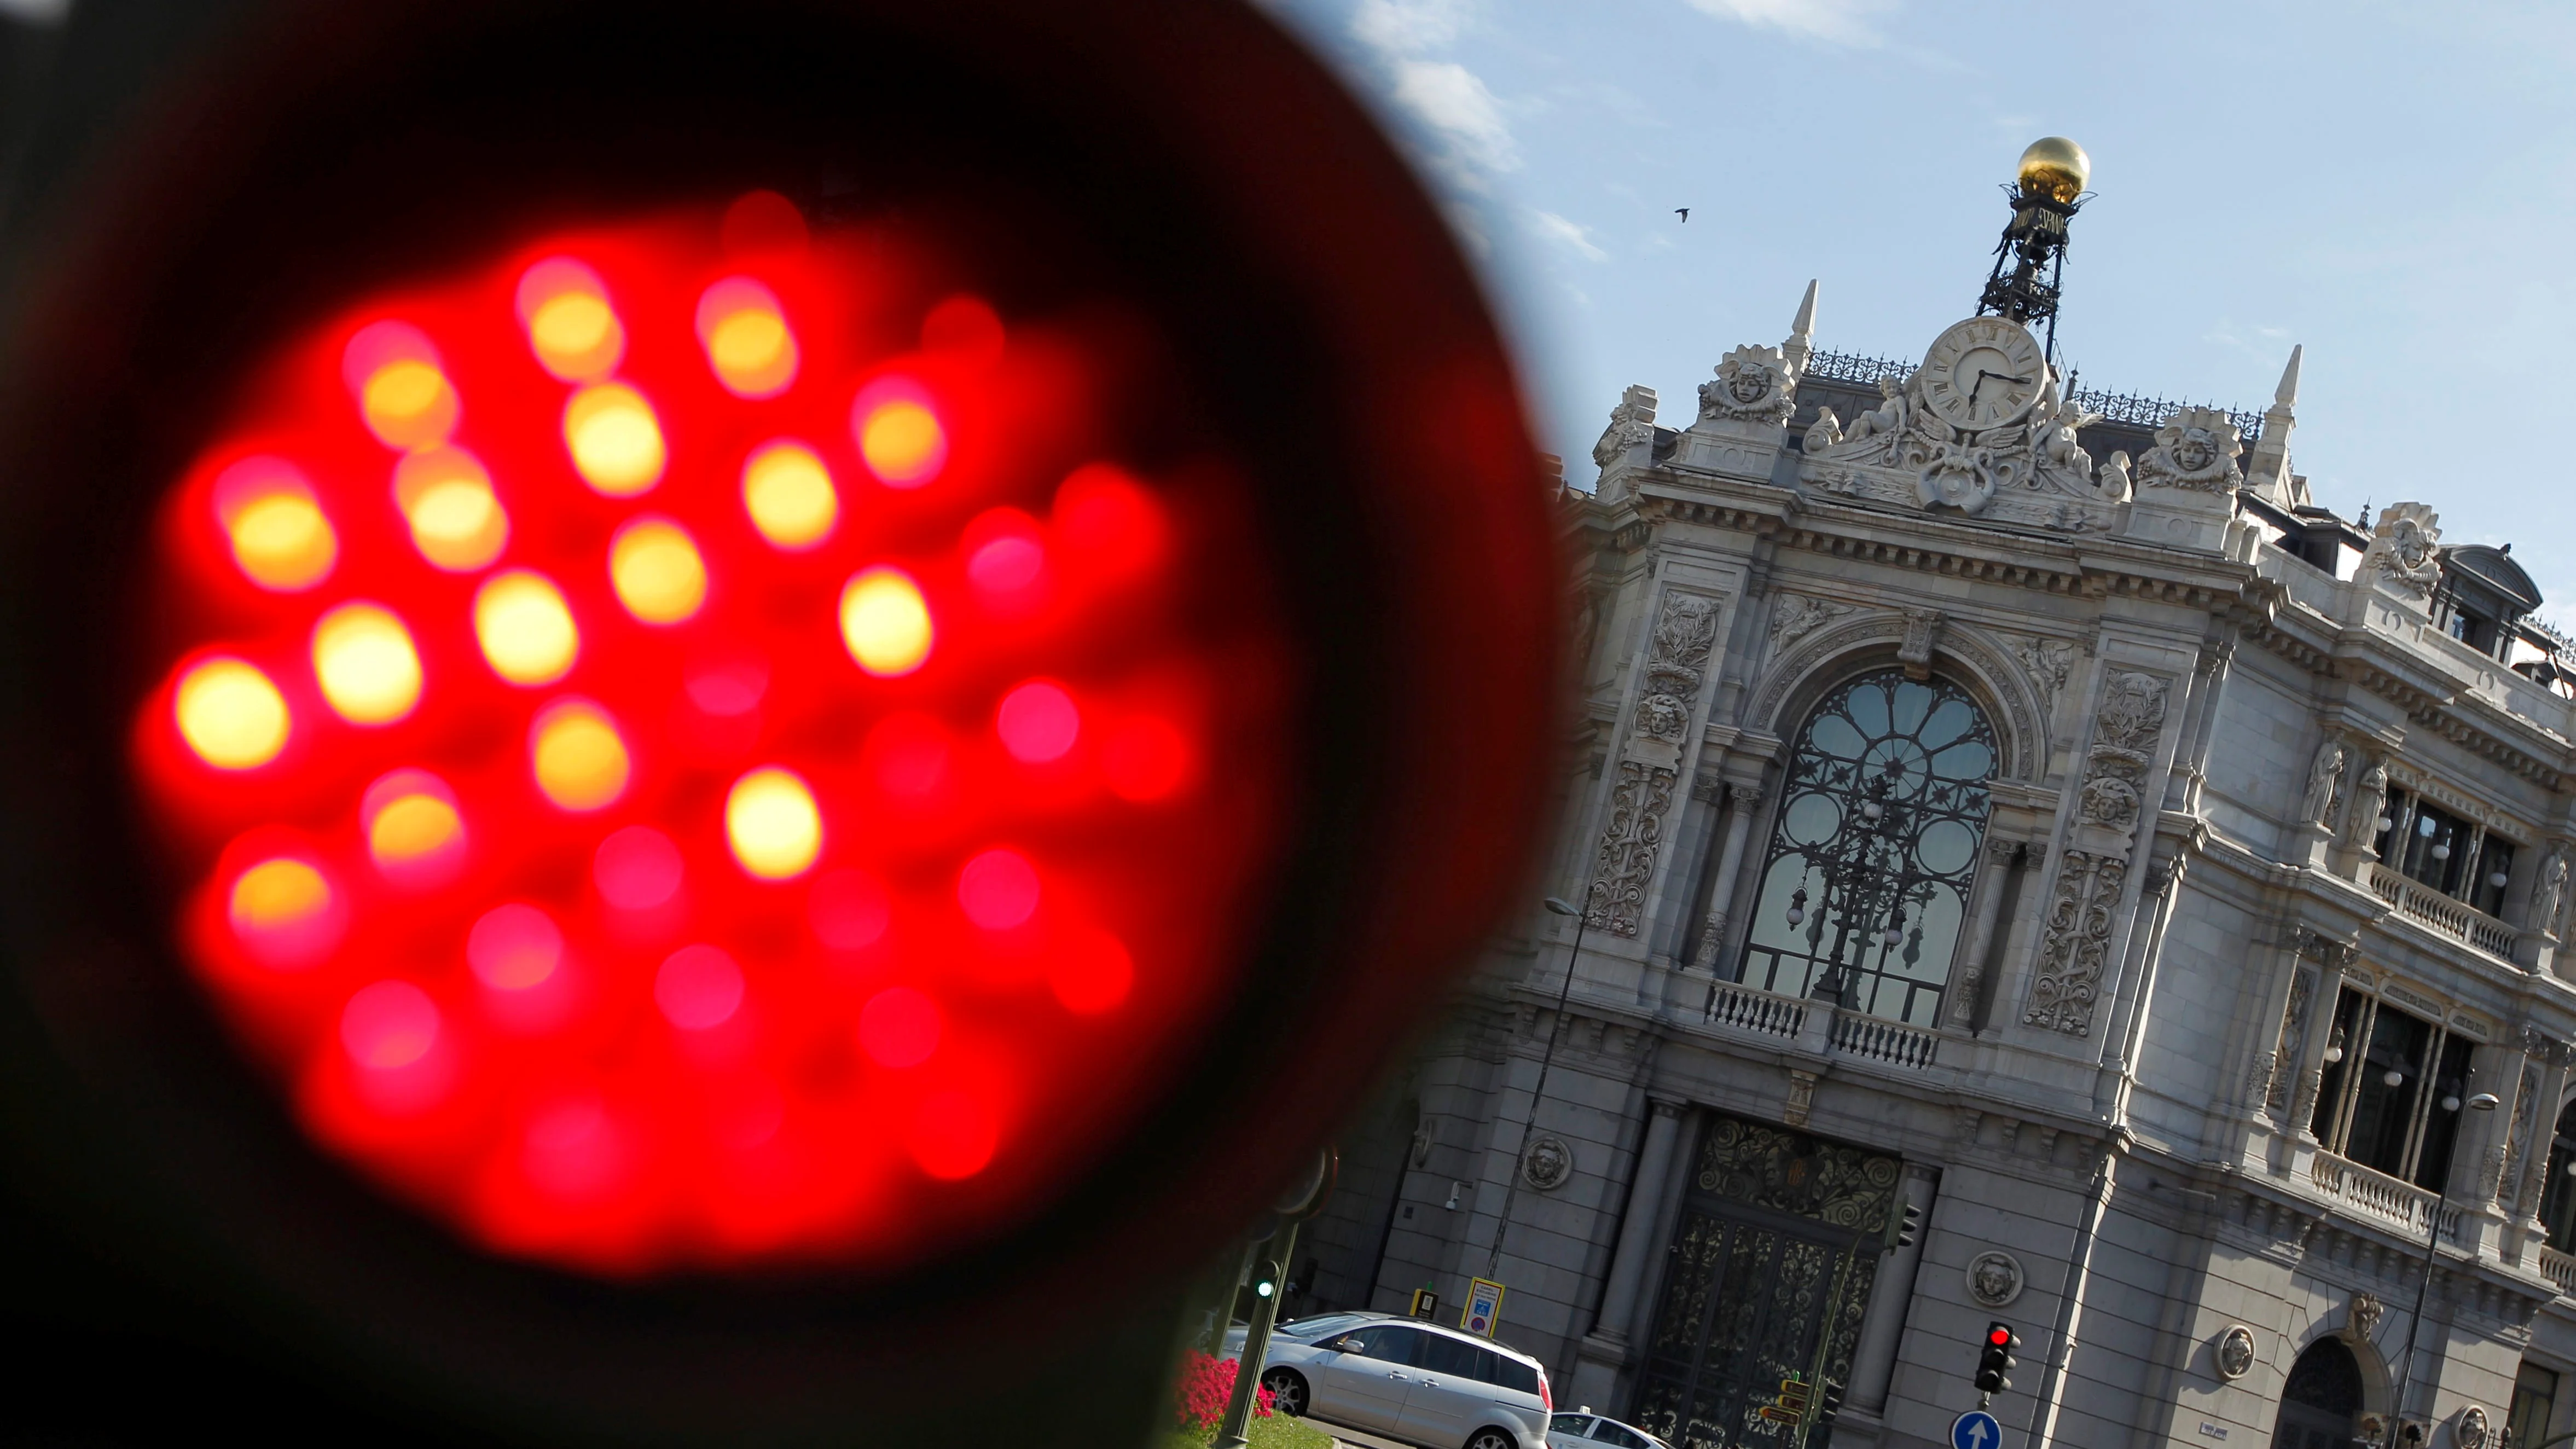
1983 373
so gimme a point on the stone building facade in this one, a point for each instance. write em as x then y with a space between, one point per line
2031 809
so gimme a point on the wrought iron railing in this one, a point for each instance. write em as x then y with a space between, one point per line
2456 919
2115 407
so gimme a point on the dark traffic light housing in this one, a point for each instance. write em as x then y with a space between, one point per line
1904 1227
1995 1358
213 185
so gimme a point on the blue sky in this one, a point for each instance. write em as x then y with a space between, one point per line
2393 185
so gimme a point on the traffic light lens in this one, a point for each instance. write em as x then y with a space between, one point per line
699 744
2000 1337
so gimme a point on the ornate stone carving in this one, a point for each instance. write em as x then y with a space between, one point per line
1995 1278
1802 1098
1824 432
2196 449
1631 843
1958 477
1663 717
1548 1162
1631 422
1922 627
1797 615
2234 1352
2323 949
2469 1430
2077 943
2285 1048
2507 1189
1426 1133
2113 480
2405 551
2049 661
2369 798
2549 890
2124 739
2325 778
1752 385
2361 1319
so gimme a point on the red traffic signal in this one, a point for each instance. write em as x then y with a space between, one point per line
1995 1361
611 780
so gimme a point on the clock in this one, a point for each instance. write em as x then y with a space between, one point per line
1983 373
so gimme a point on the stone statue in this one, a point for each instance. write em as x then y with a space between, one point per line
2549 891
2368 801
1824 432
2323 775
1889 417
2405 549
2115 477
2052 438
2195 449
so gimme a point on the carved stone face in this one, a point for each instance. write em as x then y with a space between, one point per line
1747 384
2194 451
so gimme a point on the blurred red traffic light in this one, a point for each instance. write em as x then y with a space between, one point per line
684 761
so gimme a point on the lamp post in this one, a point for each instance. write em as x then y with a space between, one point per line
2482 1102
1547 1058
2047 191
1868 884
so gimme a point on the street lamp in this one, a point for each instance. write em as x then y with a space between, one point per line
1546 1059
1868 884
2482 1102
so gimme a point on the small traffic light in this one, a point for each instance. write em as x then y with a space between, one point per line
1995 1363
1829 1399
1790 1405
1265 1280
1904 1227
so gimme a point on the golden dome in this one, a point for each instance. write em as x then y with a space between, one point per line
2056 168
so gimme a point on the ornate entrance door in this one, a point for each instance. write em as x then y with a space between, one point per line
2322 1400
1772 1261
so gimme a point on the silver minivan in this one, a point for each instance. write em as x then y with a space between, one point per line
1414 1381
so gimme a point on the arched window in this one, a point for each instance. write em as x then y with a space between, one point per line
2321 1402
1874 849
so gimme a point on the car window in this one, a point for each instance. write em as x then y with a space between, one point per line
1576 1425
1388 1342
1442 1354
1610 1433
1513 1374
1313 1327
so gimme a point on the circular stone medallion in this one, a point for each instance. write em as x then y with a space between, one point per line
1547 1163
1994 1278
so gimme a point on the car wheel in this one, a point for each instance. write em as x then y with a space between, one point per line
1492 1439
1288 1393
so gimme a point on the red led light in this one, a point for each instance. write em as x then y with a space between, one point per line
692 752
1999 1336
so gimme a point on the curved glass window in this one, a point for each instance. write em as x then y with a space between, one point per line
1881 815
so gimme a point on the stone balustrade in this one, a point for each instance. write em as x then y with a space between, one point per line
2456 919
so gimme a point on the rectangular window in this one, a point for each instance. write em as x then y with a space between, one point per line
2437 848
2380 1103
2558 1196
2535 1393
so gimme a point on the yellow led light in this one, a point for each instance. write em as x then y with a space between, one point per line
656 571
885 622
616 441
525 629
446 496
748 341
578 757
788 493
278 893
903 443
282 540
408 404
365 663
772 824
412 827
230 714
576 336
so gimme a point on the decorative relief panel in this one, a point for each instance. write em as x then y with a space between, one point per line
2048 661
2075 946
1641 794
2285 1051
1753 384
1796 616
2405 552
2196 449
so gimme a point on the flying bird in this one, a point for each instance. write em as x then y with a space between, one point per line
1684 213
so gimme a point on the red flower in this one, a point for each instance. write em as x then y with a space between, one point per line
1201 1389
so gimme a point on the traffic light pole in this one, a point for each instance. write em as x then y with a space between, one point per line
1256 1339
1816 1396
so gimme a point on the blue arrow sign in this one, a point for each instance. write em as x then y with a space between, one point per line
1976 1429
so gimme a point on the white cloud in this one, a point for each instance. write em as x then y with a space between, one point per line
1573 234
1833 22
1408 27
1448 98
